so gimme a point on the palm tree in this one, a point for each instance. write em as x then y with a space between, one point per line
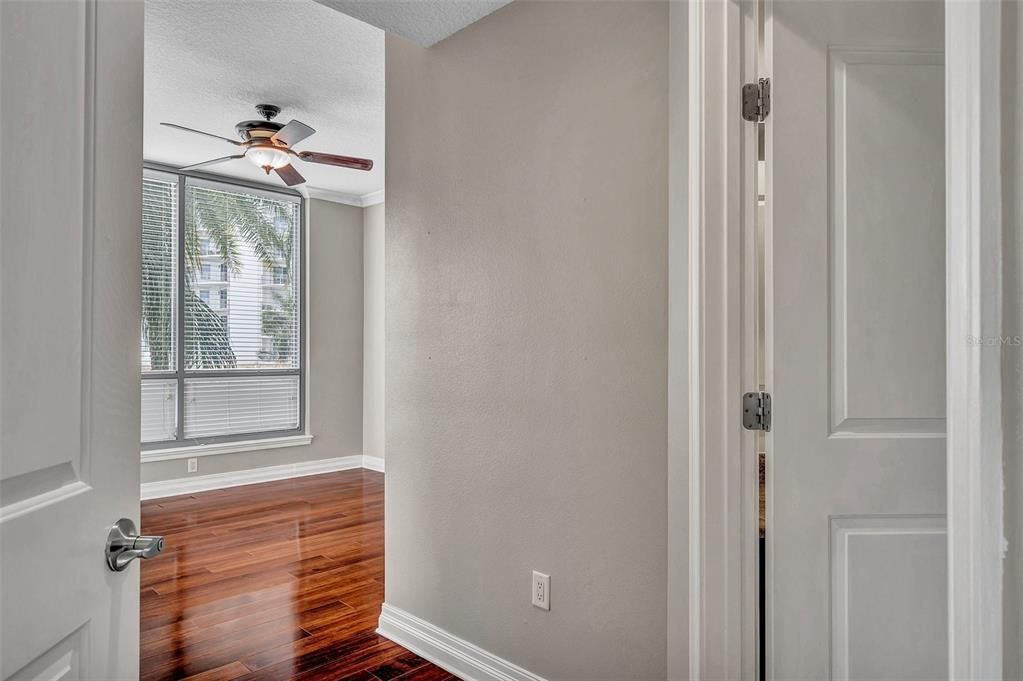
226 219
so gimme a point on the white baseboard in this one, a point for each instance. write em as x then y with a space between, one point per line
203 483
461 658
373 463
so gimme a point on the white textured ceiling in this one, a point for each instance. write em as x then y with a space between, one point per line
424 22
209 62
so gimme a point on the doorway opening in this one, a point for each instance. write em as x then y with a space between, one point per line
262 451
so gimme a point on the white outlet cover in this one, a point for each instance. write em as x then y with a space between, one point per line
193 465
541 589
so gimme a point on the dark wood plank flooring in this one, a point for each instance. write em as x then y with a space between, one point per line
281 580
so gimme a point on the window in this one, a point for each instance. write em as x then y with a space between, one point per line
279 276
213 371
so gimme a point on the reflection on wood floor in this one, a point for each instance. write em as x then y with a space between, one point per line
281 580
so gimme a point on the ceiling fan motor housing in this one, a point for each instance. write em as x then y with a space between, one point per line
260 129
249 130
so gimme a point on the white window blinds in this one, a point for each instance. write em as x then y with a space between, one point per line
221 345
159 273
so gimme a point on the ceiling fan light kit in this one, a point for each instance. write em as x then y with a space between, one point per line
268 145
268 158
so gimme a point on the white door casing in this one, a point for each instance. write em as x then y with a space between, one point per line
70 172
711 273
973 80
856 566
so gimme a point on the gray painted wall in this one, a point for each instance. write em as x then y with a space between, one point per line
1012 356
527 332
373 333
335 354
678 353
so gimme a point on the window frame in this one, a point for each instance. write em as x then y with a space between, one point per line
164 172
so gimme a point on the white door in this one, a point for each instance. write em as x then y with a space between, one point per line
856 536
70 172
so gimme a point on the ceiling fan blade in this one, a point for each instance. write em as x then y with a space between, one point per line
200 132
216 160
335 160
290 176
292 133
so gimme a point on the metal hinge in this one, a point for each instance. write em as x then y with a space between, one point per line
756 100
756 411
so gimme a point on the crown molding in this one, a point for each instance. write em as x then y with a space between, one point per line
373 198
357 200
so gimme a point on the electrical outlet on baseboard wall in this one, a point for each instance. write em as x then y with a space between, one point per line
193 465
541 590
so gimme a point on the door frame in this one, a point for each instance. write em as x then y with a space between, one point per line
712 464
973 229
710 484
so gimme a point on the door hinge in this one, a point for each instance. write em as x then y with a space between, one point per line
756 100
756 411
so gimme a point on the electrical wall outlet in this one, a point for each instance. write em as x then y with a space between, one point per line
541 590
193 465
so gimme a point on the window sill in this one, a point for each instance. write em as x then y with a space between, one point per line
190 451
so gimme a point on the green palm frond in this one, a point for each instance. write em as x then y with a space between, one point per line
266 224
215 215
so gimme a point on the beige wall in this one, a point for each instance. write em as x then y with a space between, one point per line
334 356
678 353
1012 356
527 328
373 333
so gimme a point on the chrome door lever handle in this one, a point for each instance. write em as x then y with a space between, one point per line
125 545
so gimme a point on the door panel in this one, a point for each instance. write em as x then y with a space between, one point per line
885 572
856 533
62 662
70 173
887 268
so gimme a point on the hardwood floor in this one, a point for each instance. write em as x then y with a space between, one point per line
281 580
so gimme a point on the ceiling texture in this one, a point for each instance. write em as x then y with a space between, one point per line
424 22
209 63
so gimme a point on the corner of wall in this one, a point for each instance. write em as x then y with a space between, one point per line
373 333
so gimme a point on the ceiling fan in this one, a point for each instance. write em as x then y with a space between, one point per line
269 145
